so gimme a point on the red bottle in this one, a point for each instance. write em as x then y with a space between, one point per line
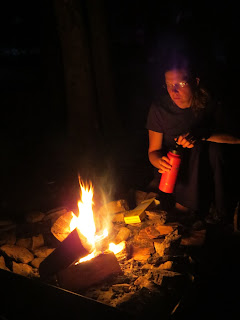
168 179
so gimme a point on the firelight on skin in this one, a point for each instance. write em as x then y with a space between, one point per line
179 88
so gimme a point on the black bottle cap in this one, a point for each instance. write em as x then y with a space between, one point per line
176 149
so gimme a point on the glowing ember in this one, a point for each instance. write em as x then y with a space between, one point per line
116 248
86 225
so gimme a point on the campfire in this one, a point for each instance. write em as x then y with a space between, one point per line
85 223
122 257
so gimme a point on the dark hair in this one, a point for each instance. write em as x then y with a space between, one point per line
178 61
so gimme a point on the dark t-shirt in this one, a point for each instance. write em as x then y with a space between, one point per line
166 117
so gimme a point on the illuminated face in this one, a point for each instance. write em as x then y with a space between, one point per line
178 88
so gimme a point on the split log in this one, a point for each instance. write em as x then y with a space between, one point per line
61 227
64 255
84 275
138 214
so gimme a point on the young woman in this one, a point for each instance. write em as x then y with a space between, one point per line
187 115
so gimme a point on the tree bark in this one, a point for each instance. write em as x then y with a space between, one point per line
82 120
90 92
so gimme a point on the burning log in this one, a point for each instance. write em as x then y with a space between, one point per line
61 227
64 255
85 274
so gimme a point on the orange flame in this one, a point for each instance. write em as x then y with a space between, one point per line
86 224
85 220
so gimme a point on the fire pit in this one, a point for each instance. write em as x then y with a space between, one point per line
133 260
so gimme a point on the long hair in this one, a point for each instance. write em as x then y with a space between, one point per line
201 95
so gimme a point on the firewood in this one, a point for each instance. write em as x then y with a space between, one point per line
64 255
61 227
138 214
84 275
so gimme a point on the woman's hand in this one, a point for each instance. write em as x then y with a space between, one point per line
164 164
186 141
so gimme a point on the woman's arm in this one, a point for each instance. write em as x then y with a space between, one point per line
155 152
223 138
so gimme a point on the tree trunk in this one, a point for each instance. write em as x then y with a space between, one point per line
82 120
88 75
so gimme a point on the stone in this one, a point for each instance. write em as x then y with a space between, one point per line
7 227
140 196
153 195
5 222
36 262
37 242
163 277
172 279
151 232
161 247
118 217
158 216
55 213
122 235
33 217
43 252
173 236
17 253
169 244
142 253
28 230
2 264
196 238
164 229
8 237
142 281
22 269
121 287
142 239
24 242
166 265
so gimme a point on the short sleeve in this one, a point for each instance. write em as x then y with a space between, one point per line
154 121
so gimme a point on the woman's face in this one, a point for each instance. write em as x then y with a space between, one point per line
178 88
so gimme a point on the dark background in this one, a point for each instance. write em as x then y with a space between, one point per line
77 79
